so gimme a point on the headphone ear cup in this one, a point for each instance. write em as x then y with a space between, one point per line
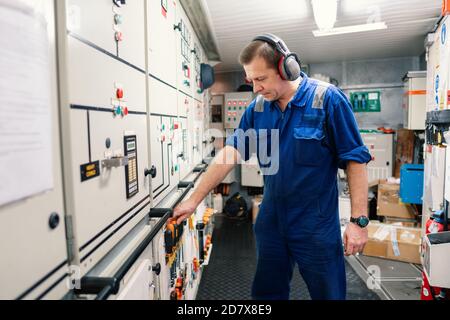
292 67
281 69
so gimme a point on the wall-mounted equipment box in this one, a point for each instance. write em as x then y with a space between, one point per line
436 258
415 100
411 183
366 101
380 146
236 104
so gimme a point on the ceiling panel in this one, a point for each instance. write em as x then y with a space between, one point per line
237 22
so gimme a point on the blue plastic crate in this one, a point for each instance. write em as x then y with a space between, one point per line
411 183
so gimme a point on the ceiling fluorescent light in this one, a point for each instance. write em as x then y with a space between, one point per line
351 29
325 13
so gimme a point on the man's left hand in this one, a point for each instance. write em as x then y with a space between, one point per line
355 238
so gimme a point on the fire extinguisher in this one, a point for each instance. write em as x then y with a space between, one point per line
436 223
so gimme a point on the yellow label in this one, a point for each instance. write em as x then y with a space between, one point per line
91 173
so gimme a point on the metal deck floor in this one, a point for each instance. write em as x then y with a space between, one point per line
393 280
231 268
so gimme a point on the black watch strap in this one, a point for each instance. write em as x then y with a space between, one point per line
361 221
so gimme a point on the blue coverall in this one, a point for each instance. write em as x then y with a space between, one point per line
298 222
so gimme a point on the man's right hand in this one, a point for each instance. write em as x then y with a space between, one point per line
184 210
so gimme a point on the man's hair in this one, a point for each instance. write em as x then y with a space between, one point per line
260 49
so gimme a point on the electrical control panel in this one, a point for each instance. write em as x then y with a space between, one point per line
235 106
114 27
105 134
184 42
163 38
32 214
187 248
116 123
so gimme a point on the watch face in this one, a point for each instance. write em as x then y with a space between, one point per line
363 221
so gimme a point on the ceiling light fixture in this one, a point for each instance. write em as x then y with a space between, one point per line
325 13
351 29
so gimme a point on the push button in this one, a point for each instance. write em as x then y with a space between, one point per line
119 36
118 19
119 93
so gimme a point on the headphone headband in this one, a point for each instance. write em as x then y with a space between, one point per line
289 65
275 41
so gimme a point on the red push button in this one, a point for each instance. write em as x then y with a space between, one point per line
119 93
125 111
119 36
176 126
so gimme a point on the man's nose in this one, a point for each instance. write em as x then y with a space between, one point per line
256 88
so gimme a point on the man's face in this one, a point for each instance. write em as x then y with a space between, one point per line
266 81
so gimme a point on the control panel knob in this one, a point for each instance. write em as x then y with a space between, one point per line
178 26
157 269
152 172
53 221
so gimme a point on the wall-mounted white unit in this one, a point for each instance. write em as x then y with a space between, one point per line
236 103
381 148
414 100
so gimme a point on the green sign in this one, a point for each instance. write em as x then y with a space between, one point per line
366 101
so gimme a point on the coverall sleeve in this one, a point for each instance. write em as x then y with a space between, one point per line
240 138
344 131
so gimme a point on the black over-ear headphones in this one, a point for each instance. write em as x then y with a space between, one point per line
289 63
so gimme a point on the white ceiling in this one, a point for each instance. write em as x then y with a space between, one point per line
236 22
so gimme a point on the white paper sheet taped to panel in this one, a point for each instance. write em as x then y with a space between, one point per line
25 108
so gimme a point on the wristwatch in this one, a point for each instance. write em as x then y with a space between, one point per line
361 222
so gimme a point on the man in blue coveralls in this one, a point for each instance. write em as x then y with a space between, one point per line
304 130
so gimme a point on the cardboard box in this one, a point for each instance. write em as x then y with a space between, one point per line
256 202
375 247
389 203
393 242
410 223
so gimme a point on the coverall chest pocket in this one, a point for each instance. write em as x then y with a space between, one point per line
308 147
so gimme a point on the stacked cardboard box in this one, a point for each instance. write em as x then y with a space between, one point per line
393 242
411 223
389 203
